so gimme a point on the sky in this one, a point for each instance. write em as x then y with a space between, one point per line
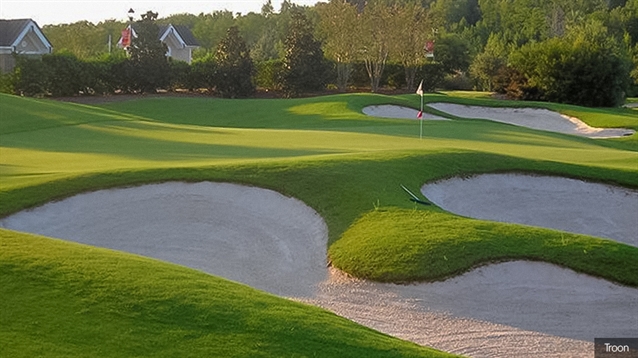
53 12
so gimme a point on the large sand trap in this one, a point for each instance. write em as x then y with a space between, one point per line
398 112
277 244
535 118
254 236
552 202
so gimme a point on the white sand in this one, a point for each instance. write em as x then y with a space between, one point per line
535 118
398 112
277 244
552 202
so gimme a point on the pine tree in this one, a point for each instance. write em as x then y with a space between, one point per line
305 69
235 68
148 55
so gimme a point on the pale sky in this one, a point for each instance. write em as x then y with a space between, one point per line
47 12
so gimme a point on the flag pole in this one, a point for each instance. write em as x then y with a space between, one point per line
419 91
421 120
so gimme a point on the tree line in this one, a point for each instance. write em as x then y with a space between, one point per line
571 51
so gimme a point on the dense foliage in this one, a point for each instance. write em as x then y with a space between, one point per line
493 45
148 55
235 68
304 66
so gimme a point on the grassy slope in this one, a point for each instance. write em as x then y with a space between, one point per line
64 299
320 150
358 167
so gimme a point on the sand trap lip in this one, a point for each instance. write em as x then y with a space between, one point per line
535 118
278 244
551 202
398 112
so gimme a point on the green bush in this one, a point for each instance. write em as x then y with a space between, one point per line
67 75
585 68
31 76
202 74
268 75
179 75
7 83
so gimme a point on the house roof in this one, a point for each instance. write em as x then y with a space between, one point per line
183 33
186 35
12 31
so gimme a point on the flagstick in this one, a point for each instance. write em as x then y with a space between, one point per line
419 91
421 120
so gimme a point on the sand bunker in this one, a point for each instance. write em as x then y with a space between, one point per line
277 244
391 111
250 235
551 202
534 118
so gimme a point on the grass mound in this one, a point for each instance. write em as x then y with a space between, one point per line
395 245
65 299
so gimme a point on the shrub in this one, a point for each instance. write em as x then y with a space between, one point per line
587 68
31 76
268 75
202 74
67 76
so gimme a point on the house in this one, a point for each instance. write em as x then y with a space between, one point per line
178 39
21 36
180 42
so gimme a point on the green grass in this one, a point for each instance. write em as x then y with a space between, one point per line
345 165
397 245
60 299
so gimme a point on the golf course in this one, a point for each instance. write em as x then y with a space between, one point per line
194 226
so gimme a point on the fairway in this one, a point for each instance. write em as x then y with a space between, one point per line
346 166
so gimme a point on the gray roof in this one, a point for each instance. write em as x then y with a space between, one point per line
183 31
10 30
186 35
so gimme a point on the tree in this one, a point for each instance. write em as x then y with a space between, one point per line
235 68
490 63
586 67
304 66
453 53
339 27
375 41
267 10
447 14
411 32
210 29
148 55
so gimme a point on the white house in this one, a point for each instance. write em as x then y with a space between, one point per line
20 36
178 39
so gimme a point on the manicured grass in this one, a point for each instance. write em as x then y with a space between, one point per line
396 245
60 299
345 165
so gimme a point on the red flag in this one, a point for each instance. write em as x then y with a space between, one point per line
429 46
126 37
419 115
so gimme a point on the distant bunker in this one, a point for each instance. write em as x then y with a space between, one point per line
551 202
534 118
